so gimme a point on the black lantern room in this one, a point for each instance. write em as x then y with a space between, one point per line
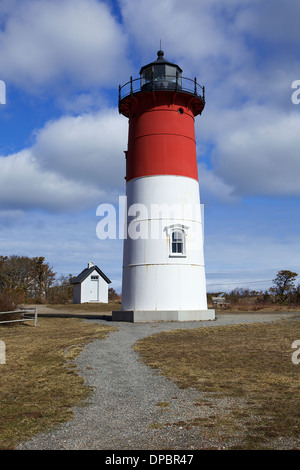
160 75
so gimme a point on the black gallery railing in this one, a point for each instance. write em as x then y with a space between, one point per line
165 83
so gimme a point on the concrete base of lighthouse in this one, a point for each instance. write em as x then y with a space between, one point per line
146 316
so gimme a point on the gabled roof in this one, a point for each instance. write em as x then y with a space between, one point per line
86 272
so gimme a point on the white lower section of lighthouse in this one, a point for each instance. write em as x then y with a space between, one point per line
163 259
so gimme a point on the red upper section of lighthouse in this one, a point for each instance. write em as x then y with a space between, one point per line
161 114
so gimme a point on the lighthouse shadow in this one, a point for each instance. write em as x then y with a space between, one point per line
99 317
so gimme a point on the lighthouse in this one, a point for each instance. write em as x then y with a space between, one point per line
163 261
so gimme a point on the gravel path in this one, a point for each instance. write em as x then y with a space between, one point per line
126 408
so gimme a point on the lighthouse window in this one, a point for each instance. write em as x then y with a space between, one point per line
158 72
173 75
177 243
147 75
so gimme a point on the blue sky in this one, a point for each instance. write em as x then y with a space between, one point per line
62 138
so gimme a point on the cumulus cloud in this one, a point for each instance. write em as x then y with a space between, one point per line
77 42
213 186
75 163
249 116
256 151
200 36
274 22
239 50
24 186
87 148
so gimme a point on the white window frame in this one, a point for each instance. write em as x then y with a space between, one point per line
170 231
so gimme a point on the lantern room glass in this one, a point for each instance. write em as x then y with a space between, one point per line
160 77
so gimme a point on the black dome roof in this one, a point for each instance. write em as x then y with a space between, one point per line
160 61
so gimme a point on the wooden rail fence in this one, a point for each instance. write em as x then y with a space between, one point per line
28 314
219 302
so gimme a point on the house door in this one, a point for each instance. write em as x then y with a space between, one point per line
94 288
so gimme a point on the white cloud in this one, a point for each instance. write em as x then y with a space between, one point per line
68 242
238 49
24 186
255 147
87 148
75 163
257 151
241 258
276 22
212 185
192 31
76 41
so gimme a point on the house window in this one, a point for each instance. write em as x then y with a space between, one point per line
94 278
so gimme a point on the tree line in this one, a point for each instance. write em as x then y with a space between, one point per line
284 291
29 280
25 280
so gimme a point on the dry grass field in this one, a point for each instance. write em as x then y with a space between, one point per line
86 308
39 382
251 306
251 364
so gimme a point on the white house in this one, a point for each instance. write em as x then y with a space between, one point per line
91 285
